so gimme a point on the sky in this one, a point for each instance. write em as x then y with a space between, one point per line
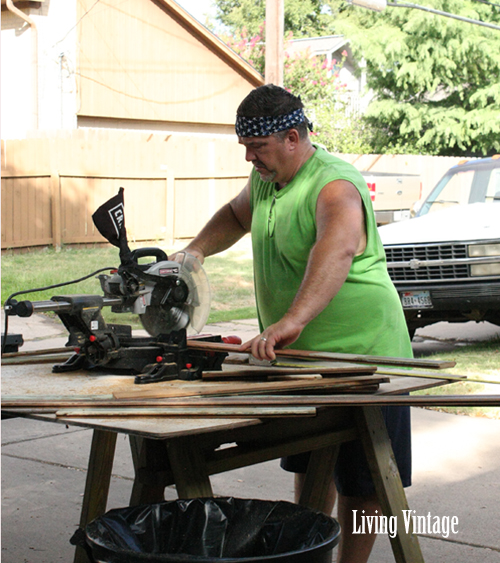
198 8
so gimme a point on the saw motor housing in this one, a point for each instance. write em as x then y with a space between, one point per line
155 291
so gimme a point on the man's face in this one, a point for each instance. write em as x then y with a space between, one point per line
267 154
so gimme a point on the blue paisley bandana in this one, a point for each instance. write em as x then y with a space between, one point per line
265 126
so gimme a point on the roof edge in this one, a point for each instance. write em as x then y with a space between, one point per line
207 36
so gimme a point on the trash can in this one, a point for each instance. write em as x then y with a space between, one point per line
206 530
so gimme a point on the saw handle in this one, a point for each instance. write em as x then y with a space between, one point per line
157 253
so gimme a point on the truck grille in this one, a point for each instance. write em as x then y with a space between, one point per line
427 253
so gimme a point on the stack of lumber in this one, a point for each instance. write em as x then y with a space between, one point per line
298 384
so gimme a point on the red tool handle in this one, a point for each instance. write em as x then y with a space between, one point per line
231 339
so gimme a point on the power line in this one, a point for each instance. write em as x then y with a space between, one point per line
440 13
76 24
486 2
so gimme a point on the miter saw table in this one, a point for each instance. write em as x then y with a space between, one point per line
186 451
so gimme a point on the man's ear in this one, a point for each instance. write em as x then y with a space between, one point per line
293 138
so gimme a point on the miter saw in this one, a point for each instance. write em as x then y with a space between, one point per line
171 297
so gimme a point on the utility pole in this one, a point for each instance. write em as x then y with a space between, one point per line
275 29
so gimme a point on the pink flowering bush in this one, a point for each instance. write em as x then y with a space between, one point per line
318 83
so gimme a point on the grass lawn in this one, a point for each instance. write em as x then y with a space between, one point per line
230 275
476 361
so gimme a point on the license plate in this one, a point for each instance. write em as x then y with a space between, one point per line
416 300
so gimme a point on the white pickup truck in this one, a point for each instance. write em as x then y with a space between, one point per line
393 195
445 262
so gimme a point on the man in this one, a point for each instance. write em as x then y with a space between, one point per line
321 281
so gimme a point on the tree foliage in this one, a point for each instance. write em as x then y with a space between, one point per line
435 80
303 18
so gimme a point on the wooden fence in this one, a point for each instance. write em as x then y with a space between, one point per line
173 184
51 186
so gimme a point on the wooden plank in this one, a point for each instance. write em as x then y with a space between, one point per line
318 479
244 455
189 468
23 405
25 353
7 200
95 497
252 387
329 356
34 360
222 412
228 401
54 399
55 186
426 375
385 474
150 460
255 372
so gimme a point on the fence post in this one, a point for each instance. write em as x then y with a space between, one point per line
170 210
55 185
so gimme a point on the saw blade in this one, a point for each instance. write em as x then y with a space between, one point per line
191 313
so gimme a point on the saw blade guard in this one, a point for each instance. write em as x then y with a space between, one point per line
192 313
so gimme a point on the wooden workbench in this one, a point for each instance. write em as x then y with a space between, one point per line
186 451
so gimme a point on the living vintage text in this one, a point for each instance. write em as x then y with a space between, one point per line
412 522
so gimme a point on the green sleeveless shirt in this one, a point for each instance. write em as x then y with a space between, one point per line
366 316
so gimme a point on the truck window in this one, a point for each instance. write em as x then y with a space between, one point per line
453 189
493 191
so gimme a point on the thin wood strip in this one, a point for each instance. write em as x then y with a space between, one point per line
38 352
283 371
329 356
217 412
56 398
30 360
427 375
292 400
252 387
245 400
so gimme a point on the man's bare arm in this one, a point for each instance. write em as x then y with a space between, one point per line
226 227
340 237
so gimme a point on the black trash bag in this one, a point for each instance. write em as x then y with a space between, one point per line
213 529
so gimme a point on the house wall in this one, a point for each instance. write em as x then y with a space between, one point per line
139 60
56 50
16 80
126 64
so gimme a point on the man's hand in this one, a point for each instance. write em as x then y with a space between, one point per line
176 257
277 336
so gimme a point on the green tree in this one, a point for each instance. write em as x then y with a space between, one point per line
436 80
304 18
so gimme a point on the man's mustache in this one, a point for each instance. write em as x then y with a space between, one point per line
259 164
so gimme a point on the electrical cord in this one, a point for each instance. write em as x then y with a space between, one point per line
62 284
